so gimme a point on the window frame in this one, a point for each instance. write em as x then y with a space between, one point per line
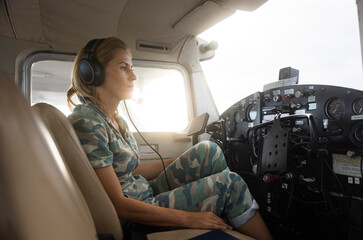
38 56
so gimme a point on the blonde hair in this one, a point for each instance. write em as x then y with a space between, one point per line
104 53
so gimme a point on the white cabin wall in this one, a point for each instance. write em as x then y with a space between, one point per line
202 97
13 54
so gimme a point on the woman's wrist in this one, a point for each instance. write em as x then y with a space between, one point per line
182 218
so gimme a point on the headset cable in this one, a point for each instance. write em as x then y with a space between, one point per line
161 158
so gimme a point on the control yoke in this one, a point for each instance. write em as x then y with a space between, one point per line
274 141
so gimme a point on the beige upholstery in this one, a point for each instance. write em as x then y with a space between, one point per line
100 206
42 199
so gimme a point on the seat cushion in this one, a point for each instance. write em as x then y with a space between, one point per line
184 234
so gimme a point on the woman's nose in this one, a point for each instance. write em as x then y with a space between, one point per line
133 75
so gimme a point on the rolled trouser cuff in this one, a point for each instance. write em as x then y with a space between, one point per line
244 217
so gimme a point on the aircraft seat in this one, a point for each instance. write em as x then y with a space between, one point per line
39 197
102 210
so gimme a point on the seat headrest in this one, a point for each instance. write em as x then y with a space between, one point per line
102 210
33 177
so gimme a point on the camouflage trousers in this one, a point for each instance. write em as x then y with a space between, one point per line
200 182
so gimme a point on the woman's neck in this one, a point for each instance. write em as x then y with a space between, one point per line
110 111
109 106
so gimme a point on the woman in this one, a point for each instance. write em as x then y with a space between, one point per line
203 188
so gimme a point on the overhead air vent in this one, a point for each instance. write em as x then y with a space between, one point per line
153 47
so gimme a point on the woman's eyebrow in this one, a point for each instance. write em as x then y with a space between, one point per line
127 64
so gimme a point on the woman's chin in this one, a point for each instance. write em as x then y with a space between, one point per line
127 97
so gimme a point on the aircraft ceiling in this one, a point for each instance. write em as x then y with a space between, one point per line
162 24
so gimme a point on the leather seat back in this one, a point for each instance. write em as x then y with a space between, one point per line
43 200
102 210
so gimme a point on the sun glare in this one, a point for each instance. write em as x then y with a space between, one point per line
319 38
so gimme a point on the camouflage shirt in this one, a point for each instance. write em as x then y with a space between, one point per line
105 146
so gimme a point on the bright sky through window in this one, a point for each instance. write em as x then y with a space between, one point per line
159 101
320 38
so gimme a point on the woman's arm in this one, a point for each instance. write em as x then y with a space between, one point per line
152 170
141 212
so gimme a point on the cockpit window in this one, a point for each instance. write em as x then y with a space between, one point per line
319 38
50 80
159 102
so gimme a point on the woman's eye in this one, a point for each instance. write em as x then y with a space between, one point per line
127 68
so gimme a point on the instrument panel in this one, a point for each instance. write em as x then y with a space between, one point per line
338 112
298 145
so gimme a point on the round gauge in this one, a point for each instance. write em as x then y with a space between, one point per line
358 133
335 108
251 112
358 106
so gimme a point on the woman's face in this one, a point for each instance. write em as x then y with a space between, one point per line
119 76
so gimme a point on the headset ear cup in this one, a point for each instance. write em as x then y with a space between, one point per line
89 68
91 72
99 73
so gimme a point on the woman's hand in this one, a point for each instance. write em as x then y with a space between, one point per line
205 220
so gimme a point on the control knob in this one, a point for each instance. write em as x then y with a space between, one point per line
298 94
276 98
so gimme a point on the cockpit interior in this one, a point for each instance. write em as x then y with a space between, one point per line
298 145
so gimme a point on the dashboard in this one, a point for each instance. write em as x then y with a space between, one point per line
338 112
299 142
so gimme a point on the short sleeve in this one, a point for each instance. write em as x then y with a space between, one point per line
93 136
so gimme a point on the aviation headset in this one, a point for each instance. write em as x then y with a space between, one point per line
90 69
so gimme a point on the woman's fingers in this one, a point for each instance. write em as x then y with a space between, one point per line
207 220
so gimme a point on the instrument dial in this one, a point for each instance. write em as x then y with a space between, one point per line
252 113
358 106
335 108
